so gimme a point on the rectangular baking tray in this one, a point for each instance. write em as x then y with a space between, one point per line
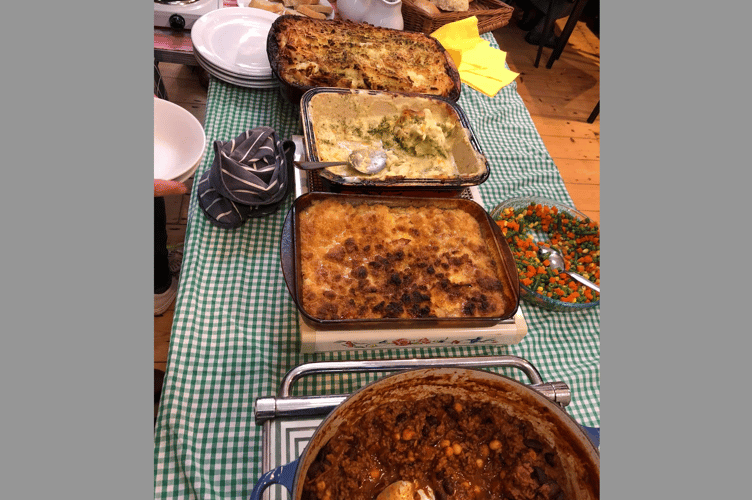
507 271
294 91
473 162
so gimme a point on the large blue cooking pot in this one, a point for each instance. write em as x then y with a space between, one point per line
577 446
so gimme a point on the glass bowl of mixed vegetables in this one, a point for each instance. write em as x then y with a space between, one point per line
529 222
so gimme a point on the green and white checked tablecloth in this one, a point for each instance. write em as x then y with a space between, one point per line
235 329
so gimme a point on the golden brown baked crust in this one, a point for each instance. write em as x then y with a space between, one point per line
361 261
344 54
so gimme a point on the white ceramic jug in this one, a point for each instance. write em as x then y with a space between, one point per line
384 13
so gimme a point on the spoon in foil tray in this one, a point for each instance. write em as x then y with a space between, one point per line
406 490
365 161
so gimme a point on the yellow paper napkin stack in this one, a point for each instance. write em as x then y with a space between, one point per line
481 66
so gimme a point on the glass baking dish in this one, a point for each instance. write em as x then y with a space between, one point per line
504 266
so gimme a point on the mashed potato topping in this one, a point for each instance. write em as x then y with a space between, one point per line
416 144
423 138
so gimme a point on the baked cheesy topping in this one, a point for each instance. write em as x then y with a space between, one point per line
336 53
361 261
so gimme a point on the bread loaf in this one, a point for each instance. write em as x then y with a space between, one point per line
275 7
307 8
296 3
304 9
324 9
426 6
452 5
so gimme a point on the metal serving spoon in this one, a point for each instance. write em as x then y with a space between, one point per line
405 490
557 262
365 161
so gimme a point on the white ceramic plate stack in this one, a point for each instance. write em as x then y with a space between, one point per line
230 44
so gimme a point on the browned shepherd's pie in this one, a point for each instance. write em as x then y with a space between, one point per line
371 260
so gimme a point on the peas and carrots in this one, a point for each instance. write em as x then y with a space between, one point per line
577 240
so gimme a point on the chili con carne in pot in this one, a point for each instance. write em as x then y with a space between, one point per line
465 433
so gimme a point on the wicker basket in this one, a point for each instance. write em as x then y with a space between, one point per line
491 14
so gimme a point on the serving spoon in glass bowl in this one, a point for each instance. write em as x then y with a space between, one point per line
556 261
367 161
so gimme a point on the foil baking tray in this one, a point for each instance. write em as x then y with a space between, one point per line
362 109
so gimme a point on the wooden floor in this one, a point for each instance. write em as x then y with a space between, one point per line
559 100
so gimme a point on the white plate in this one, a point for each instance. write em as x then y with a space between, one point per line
240 81
251 84
234 39
179 141
219 72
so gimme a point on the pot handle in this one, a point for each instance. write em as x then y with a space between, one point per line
284 475
594 433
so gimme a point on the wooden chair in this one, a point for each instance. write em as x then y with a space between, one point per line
594 113
562 40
